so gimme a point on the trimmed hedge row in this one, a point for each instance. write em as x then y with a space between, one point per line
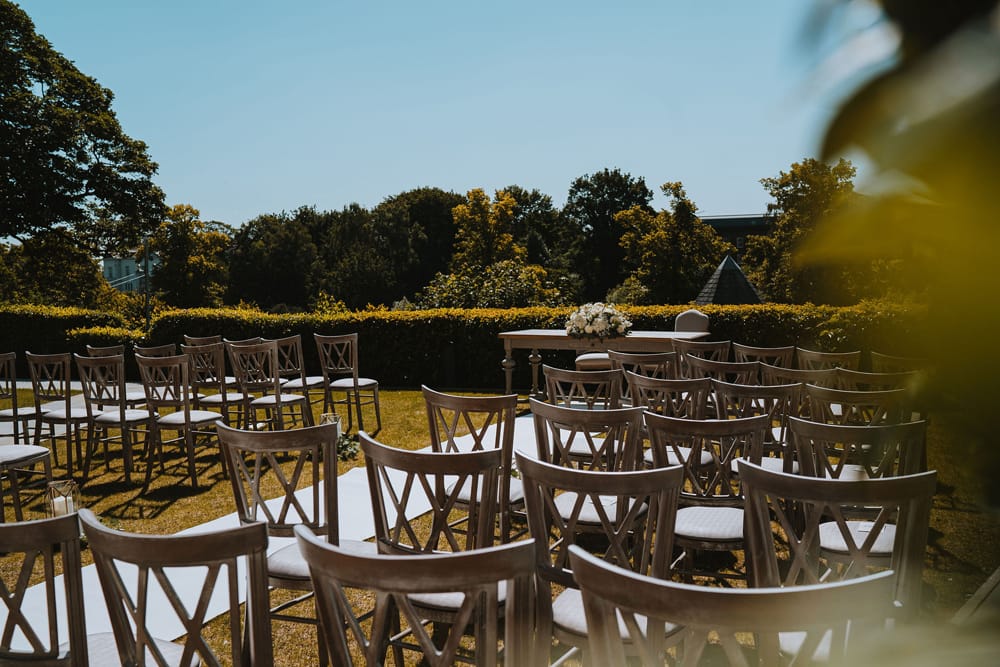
459 349
44 329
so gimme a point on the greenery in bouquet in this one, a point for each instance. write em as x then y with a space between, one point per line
598 320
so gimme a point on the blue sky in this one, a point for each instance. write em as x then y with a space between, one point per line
254 107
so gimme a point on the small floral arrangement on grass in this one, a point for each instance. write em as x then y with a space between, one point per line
598 320
348 447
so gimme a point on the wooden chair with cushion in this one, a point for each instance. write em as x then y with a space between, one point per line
825 535
776 356
292 370
779 402
737 372
823 377
714 350
211 388
815 360
51 376
266 404
166 381
475 423
19 415
165 350
338 362
44 546
588 390
652 364
477 579
820 624
416 498
864 381
588 439
134 568
287 462
111 419
858 452
891 363
626 518
19 458
857 408
711 516
202 340
683 398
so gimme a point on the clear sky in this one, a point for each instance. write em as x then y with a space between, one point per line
258 106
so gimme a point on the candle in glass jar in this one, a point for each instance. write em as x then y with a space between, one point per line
62 505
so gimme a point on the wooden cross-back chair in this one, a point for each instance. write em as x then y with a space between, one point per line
292 370
19 415
805 625
775 356
858 452
18 459
474 423
821 377
816 360
717 350
51 375
779 402
857 408
266 405
650 364
589 390
110 419
588 439
167 384
165 350
133 567
202 340
711 516
823 537
476 579
338 362
41 545
211 388
627 517
853 380
290 461
891 363
737 372
417 504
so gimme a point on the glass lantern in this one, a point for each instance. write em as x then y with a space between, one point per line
62 497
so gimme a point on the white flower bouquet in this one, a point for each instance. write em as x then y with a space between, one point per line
598 320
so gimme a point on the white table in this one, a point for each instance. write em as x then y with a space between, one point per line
557 339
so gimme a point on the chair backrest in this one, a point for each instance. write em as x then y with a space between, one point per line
857 408
474 575
51 375
687 398
778 402
207 366
714 350
650 364
216 557
291 364
691 320
405 483
814 360
202 340
102 379
810 511
590 390
165 350
728 618
631 515
737 372
858 452
166 381
105 351
710 482
890 363
776 356
823 377
38 546
338 356
263 463
8 379
588 439
853 380
255 366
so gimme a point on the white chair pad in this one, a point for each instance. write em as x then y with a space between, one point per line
60 415
722 524
311 381
565 502
217 399
516 491
347 383
704 458
13 453
450 601
568 616
771 463
197 417
131 416
271 399
831 539
288 563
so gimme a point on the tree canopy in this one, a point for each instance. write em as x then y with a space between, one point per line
64 158
192 270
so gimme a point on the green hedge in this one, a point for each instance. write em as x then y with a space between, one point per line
459 349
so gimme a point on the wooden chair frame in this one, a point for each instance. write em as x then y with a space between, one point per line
717 350
816 360
292 370
859 452
775 356
211 388
51 375
588 439
258 375
338 361
591 390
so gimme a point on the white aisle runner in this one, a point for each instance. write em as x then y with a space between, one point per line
356 523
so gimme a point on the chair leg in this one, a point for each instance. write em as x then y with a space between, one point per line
357 406
189 446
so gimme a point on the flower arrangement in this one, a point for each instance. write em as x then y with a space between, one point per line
598 320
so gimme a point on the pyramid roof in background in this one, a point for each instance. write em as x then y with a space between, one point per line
728 285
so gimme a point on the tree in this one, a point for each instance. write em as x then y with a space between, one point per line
52 269
671 253
807 193
274 262
64 159
191 269
484 232
590 210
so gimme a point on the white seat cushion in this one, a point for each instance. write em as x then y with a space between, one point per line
271 399
593 361
131 416
347 383
288 563
13 453
568 616
704 458
197 417
771 463
311 381
60 415
721 524
450 601
22 412
831 539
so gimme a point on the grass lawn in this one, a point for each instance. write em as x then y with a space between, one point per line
964 544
